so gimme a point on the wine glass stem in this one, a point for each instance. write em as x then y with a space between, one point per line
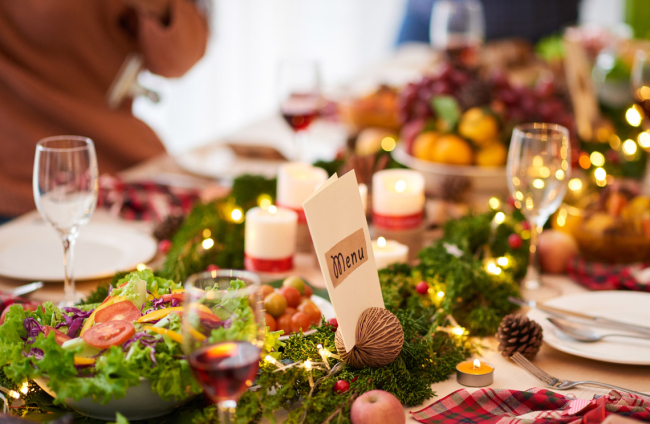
70 294
533 280
299 142
227 410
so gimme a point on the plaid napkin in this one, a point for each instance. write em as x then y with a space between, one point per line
538 405
144 200
599 276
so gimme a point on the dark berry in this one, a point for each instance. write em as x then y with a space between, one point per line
164 246
341 386
212 267
514 241
422 287
333 322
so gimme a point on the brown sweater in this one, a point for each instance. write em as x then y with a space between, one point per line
57 61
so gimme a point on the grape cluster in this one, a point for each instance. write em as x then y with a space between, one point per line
514 104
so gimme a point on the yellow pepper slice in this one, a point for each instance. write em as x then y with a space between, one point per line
159 314
172 334
78 360
178 291
91 319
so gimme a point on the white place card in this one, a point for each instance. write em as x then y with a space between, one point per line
339 230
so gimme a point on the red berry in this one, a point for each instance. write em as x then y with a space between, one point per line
341 386
422 287
525 225
212 267
514 241
333 322
164 246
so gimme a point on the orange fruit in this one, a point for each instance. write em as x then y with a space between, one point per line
452 150
478 126
494 154
424 143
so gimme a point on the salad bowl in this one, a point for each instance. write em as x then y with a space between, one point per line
140 403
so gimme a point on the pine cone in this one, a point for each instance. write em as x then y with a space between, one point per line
475 93
519 334
170 225
453 188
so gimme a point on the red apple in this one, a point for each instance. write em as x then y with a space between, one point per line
377 406
556 248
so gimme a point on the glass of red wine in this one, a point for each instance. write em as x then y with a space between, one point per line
458 30
223 354
300 99
640 81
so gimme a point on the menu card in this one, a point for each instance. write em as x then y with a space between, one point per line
339 230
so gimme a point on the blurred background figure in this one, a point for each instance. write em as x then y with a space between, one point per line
528 19
57 63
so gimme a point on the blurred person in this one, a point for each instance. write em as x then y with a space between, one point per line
58 59
527 19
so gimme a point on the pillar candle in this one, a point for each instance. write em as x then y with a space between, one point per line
296 182
363 191
270 239
388 252
397 199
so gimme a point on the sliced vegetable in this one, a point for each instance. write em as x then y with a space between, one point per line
119 311
178 291
59 336
159 314
169 297
107 334
91 319
83 361
26 307
172 334
87 351
204 316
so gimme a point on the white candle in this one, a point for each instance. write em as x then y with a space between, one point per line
270 239
296 182
388 252
398 198
363 191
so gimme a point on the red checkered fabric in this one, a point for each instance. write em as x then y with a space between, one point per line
534 406
145 200
599 276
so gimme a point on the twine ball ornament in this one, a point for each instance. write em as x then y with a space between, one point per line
379 338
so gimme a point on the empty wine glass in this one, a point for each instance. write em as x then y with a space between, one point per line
225 363
458 30
300 99
65 187
538 173
640 81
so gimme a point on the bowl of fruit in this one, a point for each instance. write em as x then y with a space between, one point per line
615 227
458 122
291 305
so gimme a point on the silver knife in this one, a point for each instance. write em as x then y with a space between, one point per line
563 313
27 288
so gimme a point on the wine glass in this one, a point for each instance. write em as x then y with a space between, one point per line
458 29
640 81
225 363
300 99
65 187
538 173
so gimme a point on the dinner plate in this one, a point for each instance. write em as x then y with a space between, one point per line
326 310
627 306
33 251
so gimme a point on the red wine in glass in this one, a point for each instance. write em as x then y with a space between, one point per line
299 110
463 53
225 370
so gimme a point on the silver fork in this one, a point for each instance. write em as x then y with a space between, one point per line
556 383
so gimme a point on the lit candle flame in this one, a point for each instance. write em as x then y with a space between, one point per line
400 186
381 242
476 364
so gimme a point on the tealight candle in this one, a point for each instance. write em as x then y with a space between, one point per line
363 191
397 199
388 252
474 373
296 182
270 239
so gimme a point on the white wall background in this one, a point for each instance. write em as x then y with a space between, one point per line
235 82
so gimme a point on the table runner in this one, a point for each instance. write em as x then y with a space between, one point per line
601 276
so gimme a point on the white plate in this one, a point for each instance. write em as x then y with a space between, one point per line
33 251
484 179
624 306
140 403
326 309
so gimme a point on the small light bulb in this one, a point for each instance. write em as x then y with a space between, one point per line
207 243
499 217
381 242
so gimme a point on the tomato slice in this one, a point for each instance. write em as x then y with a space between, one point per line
120 311
204 316
169 297
59 336
109 333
